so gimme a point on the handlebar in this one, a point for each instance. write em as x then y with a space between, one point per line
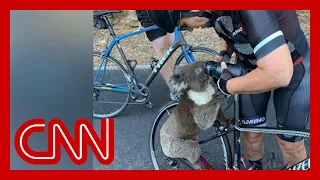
213 68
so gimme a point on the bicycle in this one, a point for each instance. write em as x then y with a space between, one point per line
129 86
219 137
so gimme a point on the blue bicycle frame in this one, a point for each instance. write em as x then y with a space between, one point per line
178 42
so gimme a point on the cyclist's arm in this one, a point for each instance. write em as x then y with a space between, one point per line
274 61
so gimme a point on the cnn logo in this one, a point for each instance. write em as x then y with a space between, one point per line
58 134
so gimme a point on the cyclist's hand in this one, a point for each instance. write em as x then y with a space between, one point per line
223 56
222 81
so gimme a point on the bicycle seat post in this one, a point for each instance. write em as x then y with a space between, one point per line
113 34
179 39
178 36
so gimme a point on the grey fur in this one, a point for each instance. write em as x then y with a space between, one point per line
177 135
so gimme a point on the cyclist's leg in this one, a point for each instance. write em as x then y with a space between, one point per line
161 45
160 41
292 105
253 110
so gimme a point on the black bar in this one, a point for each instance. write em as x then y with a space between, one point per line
216 136
113 34
237 133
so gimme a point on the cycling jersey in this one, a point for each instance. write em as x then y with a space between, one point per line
252 34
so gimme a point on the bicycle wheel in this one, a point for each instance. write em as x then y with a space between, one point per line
111 89
203 54
198 53
216 152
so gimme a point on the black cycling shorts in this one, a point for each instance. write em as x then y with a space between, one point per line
146 22
292 103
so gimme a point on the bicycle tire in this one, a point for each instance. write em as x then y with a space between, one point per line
124 72
229 101
227 152
196 49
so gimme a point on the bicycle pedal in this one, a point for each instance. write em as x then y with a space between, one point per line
153 62
132 64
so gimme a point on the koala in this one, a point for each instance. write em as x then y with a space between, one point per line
199 107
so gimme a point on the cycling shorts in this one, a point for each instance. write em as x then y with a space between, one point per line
292 103
146 22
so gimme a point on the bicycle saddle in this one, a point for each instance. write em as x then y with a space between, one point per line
104 13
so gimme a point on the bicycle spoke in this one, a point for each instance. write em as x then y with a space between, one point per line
112 94
168 112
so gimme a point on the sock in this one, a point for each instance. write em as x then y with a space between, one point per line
257 164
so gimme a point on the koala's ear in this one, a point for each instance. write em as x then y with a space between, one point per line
176 84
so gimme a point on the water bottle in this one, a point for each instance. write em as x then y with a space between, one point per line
213 68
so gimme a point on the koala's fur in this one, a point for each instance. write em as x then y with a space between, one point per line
198 108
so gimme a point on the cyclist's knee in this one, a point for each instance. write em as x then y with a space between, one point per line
161 45
253 138
170 38
291 148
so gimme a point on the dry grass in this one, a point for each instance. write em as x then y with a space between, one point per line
139 48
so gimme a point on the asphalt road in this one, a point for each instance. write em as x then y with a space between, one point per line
133 125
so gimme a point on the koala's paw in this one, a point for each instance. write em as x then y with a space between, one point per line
222 121
219 96
225 121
